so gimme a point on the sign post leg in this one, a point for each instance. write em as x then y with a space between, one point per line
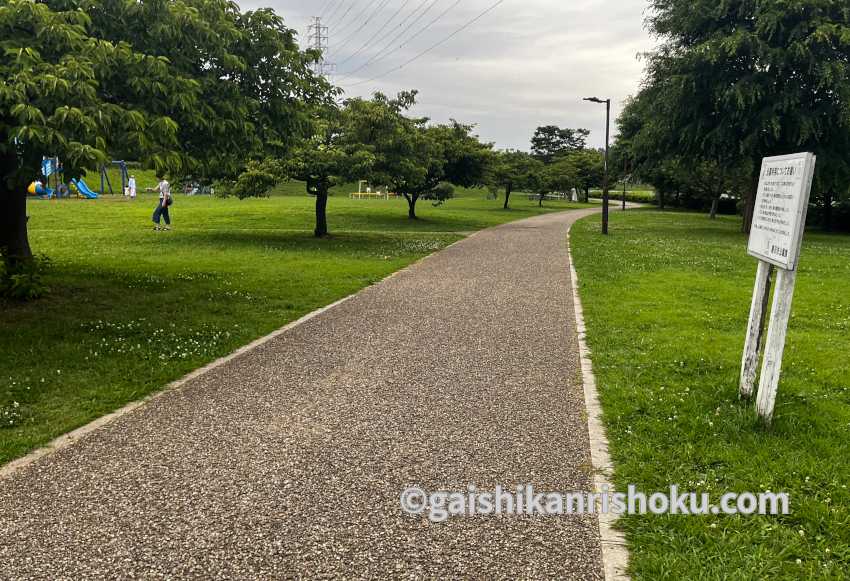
755 329
779 315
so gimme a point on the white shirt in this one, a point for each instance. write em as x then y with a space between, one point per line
164 189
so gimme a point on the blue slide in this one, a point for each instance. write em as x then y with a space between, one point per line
84 190
42 191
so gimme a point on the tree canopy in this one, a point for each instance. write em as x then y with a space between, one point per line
189 86
736 81
53 102
550 142
410 156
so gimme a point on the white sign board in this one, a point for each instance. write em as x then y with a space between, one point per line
780 211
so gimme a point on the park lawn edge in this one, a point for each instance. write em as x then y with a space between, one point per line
666 299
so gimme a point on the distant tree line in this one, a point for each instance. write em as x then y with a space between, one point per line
733 82
201 90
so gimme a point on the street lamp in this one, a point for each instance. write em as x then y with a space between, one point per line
605 174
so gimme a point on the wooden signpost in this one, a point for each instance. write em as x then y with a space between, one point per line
775 238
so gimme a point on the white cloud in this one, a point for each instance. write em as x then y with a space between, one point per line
526 63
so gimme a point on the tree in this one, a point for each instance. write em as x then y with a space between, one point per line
737 81
411 157
256 89
708 183
588 167
328 158
550 142
467 160
180 85
556 177
53 102
513 170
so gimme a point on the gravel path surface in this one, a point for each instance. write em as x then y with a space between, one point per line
289 461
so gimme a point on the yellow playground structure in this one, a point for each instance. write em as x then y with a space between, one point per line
365 191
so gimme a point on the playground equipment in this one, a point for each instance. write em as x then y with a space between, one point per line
50 166
104 177
38 189
83 189
364 191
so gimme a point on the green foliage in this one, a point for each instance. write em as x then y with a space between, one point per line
24 280
514 170
467 159
51 96
559 176
587 167
444 191
733 82
411 157
185 86
329 156
258 179
551 142
253 86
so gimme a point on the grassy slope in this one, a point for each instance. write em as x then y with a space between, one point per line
131 309
666 299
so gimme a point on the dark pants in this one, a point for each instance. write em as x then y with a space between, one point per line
161 210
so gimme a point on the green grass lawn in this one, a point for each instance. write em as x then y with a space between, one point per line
666 299
131 309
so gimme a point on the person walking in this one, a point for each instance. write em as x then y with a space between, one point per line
131 185
161 211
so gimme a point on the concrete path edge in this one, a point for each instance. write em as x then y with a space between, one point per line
73 436
615 554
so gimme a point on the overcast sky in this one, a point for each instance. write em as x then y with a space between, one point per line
524 64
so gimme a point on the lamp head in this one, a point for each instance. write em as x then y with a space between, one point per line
593 99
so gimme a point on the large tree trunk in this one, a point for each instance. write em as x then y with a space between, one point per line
586 194
321 213
660 199
411 205
540 200
14 242
714 202
508 188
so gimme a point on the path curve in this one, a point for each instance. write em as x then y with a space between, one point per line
289 460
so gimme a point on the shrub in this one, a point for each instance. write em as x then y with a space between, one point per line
257 180
25 280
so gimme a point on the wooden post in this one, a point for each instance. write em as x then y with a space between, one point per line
780 312
776 236
755 329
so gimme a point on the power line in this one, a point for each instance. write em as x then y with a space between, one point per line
334 11
372 40
351 36
433 46
382 53
350 6
325 8
430 24
354 19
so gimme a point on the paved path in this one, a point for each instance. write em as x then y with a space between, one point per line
289 461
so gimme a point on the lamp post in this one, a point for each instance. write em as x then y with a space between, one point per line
605 173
